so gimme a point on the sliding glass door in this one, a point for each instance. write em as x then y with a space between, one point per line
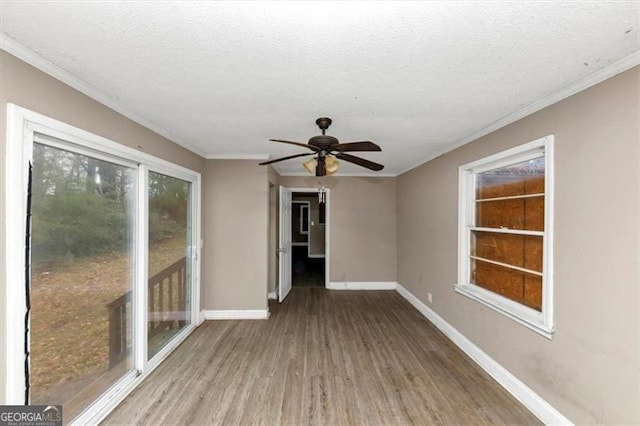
82 275
106 235
169 261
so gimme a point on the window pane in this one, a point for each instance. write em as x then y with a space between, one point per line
522 214
296 224
518 286
81 266
524 251
522 178
169 266
533 291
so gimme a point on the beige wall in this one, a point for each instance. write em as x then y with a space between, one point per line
30 88
236 237
362 232
273 176
589 370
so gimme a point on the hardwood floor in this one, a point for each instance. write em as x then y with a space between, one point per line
324 357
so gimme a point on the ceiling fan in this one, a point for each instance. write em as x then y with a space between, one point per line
327 149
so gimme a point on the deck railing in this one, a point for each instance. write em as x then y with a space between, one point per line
167 305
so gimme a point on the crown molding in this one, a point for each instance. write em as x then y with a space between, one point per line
591 80
237 157
338 174
23 53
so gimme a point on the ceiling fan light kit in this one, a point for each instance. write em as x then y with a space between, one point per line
310 165
327 150
331 165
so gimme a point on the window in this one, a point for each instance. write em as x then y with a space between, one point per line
112 282
300 222
304 218
505 233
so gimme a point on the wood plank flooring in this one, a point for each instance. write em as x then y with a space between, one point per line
323 358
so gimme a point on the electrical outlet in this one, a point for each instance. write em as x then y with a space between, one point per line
429 297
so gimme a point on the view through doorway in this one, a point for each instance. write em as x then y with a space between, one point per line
308 229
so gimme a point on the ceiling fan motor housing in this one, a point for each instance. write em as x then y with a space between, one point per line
323 141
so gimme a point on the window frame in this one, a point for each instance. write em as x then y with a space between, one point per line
540 322
23 127
303 207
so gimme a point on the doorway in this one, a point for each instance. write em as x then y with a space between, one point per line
308 228
303 239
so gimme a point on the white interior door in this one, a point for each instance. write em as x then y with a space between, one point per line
284 247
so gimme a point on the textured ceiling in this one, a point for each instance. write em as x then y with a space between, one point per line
418 78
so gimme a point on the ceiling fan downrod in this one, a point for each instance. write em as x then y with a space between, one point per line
321 167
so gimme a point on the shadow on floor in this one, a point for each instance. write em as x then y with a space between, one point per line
306 271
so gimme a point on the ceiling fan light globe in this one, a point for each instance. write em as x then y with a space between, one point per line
331 165
310 165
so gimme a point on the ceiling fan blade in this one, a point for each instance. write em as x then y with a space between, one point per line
286 158
304 145
356 146
360 161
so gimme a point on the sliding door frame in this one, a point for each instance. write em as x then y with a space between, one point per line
193 254
22 126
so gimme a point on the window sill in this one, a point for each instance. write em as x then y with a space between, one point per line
528 317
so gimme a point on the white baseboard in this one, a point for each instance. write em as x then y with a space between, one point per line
363 285
236 314
201 317
272 295
531 400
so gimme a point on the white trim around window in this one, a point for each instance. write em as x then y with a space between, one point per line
23 128
538 321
